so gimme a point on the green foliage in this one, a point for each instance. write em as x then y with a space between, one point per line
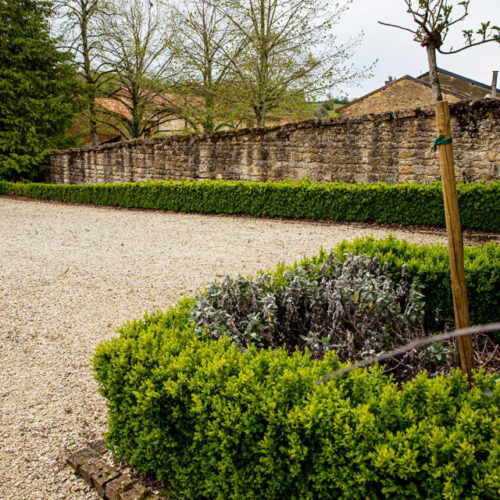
38 90
341 100
406 204
322 109
428 267
219 423
281 61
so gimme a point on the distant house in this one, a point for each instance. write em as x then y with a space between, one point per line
409 93
111 108
117 104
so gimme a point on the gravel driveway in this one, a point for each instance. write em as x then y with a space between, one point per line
69 275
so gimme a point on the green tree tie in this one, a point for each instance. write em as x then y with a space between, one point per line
441 140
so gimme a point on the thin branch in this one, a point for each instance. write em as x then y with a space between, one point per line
456 51
397 26
416 344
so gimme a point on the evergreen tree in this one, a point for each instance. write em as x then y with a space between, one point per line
39 90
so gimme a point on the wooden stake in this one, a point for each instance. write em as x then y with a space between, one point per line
455 241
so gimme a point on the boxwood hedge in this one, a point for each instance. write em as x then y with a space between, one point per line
219 423
406 204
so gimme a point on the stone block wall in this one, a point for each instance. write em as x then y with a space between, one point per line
389 147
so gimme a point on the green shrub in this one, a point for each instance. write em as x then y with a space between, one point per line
406 204
352 308
217 423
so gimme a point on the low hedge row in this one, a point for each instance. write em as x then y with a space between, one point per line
406 204
218 423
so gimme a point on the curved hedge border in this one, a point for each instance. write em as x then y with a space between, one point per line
406 204
219 423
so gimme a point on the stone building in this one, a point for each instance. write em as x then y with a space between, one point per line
410 93
166 122
167 107
117 105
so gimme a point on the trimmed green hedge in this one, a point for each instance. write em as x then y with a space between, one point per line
218 423
406 204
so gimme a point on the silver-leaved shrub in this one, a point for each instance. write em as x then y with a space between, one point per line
353 308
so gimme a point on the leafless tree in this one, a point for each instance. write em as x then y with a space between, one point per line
434 19
205 44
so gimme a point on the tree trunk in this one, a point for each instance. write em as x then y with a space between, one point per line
455 241
89 79
208 119
262 120
263 60
453 226
94 138
208 122
433 75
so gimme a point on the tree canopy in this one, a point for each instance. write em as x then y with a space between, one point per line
39 90
291 53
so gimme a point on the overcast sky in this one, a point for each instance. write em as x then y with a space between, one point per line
399 55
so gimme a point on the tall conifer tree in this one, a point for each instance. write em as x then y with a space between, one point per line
39 90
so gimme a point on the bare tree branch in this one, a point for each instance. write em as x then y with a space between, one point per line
78 27
397 26
136 48
416 344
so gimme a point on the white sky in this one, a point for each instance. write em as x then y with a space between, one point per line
399 55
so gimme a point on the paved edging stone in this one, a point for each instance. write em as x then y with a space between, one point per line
109 482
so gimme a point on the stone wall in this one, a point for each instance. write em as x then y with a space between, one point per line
389 147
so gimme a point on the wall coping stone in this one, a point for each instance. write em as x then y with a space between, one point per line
456 109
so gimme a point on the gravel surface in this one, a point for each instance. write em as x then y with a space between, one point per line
70 274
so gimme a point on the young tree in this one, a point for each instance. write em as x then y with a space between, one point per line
136 45
205 43
39 91
434 18
290 52
78 23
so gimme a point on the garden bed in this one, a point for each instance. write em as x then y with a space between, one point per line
218 417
